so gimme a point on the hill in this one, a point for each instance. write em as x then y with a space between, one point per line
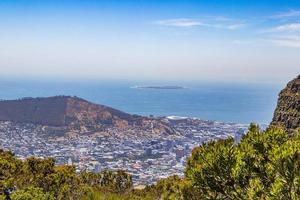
287 113
75 114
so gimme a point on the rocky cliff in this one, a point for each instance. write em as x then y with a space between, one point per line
75 113
287 113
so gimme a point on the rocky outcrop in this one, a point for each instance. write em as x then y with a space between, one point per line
287 113
74 113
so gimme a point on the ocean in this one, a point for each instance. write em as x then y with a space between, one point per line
239 103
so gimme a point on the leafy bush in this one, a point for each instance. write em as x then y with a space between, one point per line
265 165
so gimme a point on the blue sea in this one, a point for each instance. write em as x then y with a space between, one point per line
240 103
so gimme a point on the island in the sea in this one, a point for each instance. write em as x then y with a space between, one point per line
167 87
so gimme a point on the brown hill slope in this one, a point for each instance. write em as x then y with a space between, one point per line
74 113
287 113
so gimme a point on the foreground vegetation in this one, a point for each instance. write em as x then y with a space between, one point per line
264 165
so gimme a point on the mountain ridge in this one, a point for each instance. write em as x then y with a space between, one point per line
75 113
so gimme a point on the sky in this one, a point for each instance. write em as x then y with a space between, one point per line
227 40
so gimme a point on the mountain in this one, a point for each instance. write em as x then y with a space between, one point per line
75 114
287 113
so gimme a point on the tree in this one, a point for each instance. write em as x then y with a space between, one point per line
210 169
285 167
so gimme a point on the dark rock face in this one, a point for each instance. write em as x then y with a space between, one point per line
287 113
75 114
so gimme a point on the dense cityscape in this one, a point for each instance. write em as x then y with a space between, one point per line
148 157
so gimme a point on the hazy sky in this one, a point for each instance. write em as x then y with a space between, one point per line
138 39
